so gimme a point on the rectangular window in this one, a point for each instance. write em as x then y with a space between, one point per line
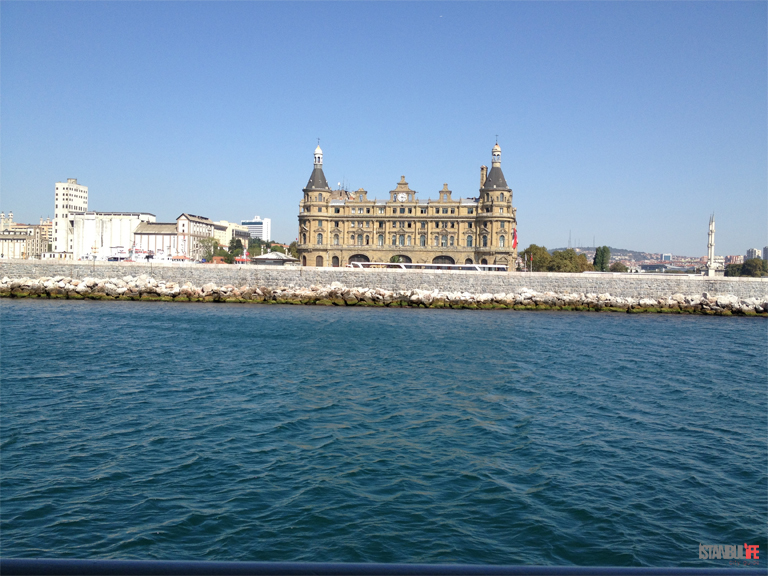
367 210
410 210
453 211
402 210
501 224
381 210
381 224
470 210
445 210
336 210
423 210
423 225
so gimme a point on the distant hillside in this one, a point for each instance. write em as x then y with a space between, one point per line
616 253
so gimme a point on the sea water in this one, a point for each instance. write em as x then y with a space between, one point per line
303 433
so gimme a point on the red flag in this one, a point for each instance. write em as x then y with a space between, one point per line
514 240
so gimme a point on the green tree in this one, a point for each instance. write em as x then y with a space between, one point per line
754 267
568 261
395 259
541 257
277 248
293 249
602 259
209 246
235 244
617 267
733 270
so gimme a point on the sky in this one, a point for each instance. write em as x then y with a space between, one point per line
626 122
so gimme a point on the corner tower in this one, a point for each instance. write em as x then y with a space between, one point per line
317 179
496 217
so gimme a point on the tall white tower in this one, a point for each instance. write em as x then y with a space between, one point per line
69 197
711 247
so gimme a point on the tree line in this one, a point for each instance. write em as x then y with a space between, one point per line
755 267
256 247
569 260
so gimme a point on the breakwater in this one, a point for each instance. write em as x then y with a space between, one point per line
145 287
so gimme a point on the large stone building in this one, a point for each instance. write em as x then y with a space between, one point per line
337 227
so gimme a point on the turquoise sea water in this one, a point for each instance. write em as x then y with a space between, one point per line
280 433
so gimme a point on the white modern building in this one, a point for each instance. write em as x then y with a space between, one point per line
100 235
260 228
69 197
753 253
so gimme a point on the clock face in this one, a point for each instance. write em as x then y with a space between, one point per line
402 197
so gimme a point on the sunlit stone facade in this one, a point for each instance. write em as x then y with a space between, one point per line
337 227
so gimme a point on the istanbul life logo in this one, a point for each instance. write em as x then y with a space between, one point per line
728 552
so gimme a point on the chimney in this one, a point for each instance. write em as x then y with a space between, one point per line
483 175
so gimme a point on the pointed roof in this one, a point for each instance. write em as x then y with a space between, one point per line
495 180
317 180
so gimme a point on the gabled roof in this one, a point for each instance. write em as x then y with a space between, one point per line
317 180
155 228
194 218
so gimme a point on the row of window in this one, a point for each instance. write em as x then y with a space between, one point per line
404 224
405 240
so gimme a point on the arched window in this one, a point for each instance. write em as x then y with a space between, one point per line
436 240
367 239
335 261
402 239
408 240
450 243
485 241
394 240
303 260
483 261
319 238
469 241
303 238
319 261
501 241
359 239
468 261
381 239
443 241
335 239
319 197
422 240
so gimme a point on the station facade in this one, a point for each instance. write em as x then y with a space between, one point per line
338 227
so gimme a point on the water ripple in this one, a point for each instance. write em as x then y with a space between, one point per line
146 430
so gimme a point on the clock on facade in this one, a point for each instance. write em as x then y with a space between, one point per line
402 197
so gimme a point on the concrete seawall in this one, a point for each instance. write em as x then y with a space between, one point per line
635 286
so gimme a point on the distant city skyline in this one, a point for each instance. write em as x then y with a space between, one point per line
627 122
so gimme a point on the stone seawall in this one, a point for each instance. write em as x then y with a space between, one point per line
435 289
619 285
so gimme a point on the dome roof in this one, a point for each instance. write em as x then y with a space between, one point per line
496 148
318 150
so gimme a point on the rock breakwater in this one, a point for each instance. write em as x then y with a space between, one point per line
144 287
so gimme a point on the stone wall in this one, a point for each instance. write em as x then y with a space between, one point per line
618 285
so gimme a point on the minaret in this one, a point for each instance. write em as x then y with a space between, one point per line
711 247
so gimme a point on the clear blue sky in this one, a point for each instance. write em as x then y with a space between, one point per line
629 122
